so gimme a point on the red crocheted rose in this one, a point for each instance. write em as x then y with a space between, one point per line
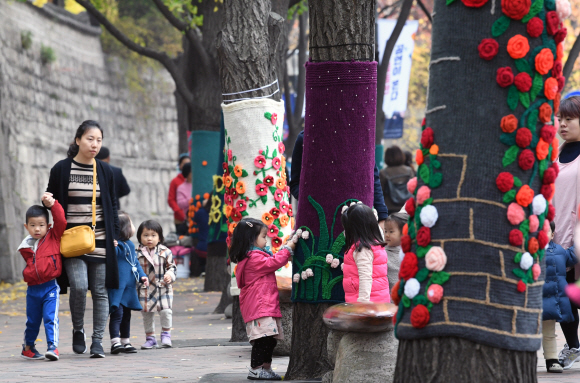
427 138
561 82
552 22
544 61
556 168
505 76
236 215
474 3
560 35
535 27
521 286
547 191
420 316
406 243
551 213
509 123
549 176
551 90
504 182
395 298
516 238
410 206
523 82
523 137
525 196
545 114
409 266
526 159
548 132
423 236
533 245
543 239
488 49
516 9
557 69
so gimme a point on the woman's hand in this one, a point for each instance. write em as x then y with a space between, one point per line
145 281
167 279
115 242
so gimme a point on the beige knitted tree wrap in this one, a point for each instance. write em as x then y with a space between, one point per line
255 175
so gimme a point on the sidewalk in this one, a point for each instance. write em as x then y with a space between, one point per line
201 350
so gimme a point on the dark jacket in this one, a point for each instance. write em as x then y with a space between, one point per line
121 186
378 200
202 219
406 174
126 294
556 304
58 186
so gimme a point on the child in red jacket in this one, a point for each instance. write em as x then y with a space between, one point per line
41 251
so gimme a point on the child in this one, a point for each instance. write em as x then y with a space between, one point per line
556 305
259 302
393 231
41 251
157 262
365 262
125 298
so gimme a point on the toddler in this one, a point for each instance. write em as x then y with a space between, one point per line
393 231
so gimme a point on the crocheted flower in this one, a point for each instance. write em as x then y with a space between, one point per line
304 276
545 112
305 235
260 161
544 61
419 157
261 190
516 237
434 149
275 212
539 204
281 184
412 185
273 231
555 145
534 27
329 258
536 271
527 261
395 298
281 147
410 207
547 191
435 259
525 196
228 199
240 187
523 137
557 68
276 163
284 220
429 216
504 182
552 22
556 168
335 263
309 273
560 35
268 181
523 82
238 170
419 316
559 51
241 205
228 181
230 155
290 213
278 195
534 223
423 236
474 3
526 159
548 132
406 243
274 118
401 255
546 229
488 49
515 214
423 194
409 266
236 215
533 245
551 213
543 239
284 207
561 82
267 219
518 47
412 288
427 138
435 293
228 211
276 243
542 149
516 9
521 286
563 9
296 278
505 76
509 123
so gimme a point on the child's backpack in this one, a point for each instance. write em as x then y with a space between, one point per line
396 188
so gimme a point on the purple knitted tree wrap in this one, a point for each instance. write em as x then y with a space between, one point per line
338 158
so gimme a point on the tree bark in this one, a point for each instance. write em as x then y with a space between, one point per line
215 267
422 361
239 333
572 56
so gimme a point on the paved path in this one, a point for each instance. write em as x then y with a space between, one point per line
202 352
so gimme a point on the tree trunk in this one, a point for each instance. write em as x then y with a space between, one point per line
239 333
215 267
489 298
422 361
572 57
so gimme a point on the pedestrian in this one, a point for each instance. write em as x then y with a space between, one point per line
556 305
409 161
393 232
125 299
122 188
566 199
394 178
183 197
71 183
259 302
365 261
157 263
178 214
41 252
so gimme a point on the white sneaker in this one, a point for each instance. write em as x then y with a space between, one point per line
569 357
561 353
262 374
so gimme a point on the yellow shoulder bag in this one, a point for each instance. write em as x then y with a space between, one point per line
80 240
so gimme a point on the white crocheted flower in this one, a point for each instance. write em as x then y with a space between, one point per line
344 208
539 204
412 288
359 202
401 255
527 261
296 278
329 258
309 273
305 235
299 232
304 276
429 216
335 263
295 238
563 9
352 203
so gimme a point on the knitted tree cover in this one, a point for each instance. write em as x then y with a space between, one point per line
255 171
218 222
474 244
337 168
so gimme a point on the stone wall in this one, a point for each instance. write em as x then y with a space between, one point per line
42 105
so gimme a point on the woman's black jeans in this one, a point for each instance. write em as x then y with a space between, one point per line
570 329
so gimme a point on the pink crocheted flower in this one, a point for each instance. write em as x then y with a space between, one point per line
261 190
278 195
412 185
273 231
435 260
515 214
274 118
329 258
335 263
536 271
276 163
260 161
296 278
534 223
228 200
284 207
423 194
435 293
281 148
241 205
269 181
230 155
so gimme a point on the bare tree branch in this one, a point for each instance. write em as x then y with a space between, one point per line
190 33
572 56
390 8
425 10
301 84
162 57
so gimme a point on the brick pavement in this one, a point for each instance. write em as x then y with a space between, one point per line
202 352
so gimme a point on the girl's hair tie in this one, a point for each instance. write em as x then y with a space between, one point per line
249 224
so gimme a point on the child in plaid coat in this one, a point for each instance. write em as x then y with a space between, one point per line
157 263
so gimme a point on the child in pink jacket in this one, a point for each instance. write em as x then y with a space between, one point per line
259 302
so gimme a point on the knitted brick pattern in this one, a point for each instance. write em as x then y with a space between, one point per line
337 165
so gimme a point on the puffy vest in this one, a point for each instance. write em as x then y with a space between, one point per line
380 289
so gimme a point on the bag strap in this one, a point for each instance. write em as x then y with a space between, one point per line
94 202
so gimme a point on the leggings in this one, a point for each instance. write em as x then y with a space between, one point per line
570 329
262 350
120 323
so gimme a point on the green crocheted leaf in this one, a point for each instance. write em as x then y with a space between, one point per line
543 166
428 201
439 278
338 244
550 5
449 1
244 173
436 164
411 229
323 240
406 301
272 189
245 213
305 248
422 251
518 257
533 120
429 306
525 99
258 181
509 196
435 180
537 85
422 274
508 139
513 97
517 182
424 173
541 253
264 199
500 26
520 274
525 227
523 66
268 115
530 276
534 10
510 155
420 300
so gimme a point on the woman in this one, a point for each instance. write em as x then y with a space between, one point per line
71 183
178 215
394 179
566 199
183 196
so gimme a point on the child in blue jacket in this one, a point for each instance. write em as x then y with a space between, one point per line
556 304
